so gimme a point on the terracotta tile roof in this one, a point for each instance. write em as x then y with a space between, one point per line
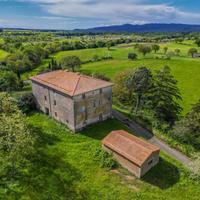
69 82
129 146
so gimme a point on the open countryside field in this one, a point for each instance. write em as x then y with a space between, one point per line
184 68
65 166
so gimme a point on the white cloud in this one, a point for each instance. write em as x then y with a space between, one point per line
106 12
126 11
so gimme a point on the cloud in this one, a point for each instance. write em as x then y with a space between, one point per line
87 13
125 11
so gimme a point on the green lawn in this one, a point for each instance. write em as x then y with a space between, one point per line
64 168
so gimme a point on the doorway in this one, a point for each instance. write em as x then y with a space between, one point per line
101 117
46 111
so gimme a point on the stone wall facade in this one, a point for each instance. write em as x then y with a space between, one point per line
138 171
74 111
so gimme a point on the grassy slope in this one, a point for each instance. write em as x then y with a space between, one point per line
66 169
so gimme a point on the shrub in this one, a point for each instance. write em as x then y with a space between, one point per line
195 168
9 81
26 103
95 58
132 56
105 159
101 76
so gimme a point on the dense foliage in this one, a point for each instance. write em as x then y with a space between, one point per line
26 103
157 94
187 130
16 144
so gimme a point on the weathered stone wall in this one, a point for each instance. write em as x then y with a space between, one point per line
60 106
149 163
131 167
92 107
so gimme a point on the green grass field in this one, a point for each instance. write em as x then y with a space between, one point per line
65 168
185 69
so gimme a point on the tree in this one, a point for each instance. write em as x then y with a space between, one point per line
95 58
26 103
144 49
170 54
101 76
138 84
132 56
16 141
187 130
165 96
120 90
192 51
70 62
197 41
155 47
108 45
165 50
8 81
179 40
177 51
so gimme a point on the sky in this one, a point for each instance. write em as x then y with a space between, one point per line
72 14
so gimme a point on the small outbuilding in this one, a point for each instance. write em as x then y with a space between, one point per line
133 153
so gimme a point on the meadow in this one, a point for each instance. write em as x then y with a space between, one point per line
184 68
65 168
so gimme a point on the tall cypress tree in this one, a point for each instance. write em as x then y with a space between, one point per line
166 95
139 83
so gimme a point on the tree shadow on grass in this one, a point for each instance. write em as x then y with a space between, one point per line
42 137
99 130
48 175
164 175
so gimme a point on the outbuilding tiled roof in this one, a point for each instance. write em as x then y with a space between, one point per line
129 146
69 82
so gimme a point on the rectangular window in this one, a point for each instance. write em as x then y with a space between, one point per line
100 91
83 96
55 102
45 98
94 103
150 162
56 114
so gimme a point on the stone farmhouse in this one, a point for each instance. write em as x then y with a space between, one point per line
133 153
73 99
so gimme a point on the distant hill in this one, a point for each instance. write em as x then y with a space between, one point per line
143 28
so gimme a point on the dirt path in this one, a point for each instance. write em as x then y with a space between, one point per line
142 132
